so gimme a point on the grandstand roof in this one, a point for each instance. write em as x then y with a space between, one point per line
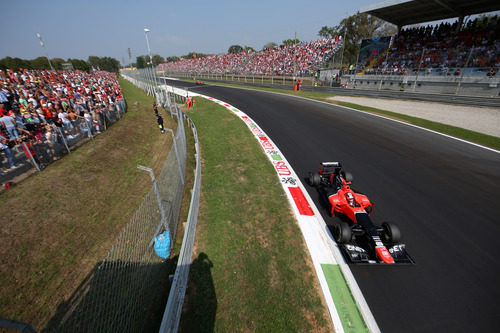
405 12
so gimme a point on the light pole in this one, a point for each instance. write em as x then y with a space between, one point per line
146 30
43 47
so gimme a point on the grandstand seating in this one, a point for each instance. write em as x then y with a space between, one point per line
290 59
442 50
41 110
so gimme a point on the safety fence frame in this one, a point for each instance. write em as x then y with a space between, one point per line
173 309
120 292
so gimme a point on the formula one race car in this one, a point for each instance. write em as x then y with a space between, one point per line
199 82
360 240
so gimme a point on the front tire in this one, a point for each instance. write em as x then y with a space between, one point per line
391 233
343 233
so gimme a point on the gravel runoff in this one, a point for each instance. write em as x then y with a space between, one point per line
474 118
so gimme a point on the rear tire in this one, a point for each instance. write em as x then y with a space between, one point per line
314 179
343 233
347 176
391 232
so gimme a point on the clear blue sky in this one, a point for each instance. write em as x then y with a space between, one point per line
78 29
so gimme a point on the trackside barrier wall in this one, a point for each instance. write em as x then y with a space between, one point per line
468 94
173 309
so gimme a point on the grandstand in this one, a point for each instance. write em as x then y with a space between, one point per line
299 59
462 57
44 114
449 58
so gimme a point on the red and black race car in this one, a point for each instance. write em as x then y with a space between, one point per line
199 82
360 240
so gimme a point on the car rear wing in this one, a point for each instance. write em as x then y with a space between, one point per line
329 167
331 164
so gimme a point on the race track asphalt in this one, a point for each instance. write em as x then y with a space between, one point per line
444 195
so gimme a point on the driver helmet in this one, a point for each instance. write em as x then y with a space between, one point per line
350 198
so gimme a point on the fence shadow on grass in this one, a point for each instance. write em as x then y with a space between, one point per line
117 296
200 304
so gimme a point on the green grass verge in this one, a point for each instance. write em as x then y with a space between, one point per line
461 133
251 270
351 318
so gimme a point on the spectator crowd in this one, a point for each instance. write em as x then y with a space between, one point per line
288 59
443 48
41 107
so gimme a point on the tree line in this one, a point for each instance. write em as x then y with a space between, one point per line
93 62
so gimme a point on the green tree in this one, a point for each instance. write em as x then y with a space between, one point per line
40 63
105 64
355 28
172 58
291 41
235 49
57 63
194 55
93 61
80 64
157 59
249 48
270 45
109 64
14 63
141 62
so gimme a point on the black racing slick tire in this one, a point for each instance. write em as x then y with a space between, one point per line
343 233
347 176
314 179
391 232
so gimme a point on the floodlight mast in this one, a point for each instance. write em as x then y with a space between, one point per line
43 47
146 30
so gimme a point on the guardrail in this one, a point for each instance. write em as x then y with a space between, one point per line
171 317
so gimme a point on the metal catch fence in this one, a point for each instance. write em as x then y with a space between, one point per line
120 293
173 309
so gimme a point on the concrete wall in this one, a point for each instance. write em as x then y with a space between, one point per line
473 85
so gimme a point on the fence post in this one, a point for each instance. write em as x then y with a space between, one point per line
64 140
163 221
28 152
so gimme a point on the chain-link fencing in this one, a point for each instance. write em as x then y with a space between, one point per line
173 309
122 291
119 294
